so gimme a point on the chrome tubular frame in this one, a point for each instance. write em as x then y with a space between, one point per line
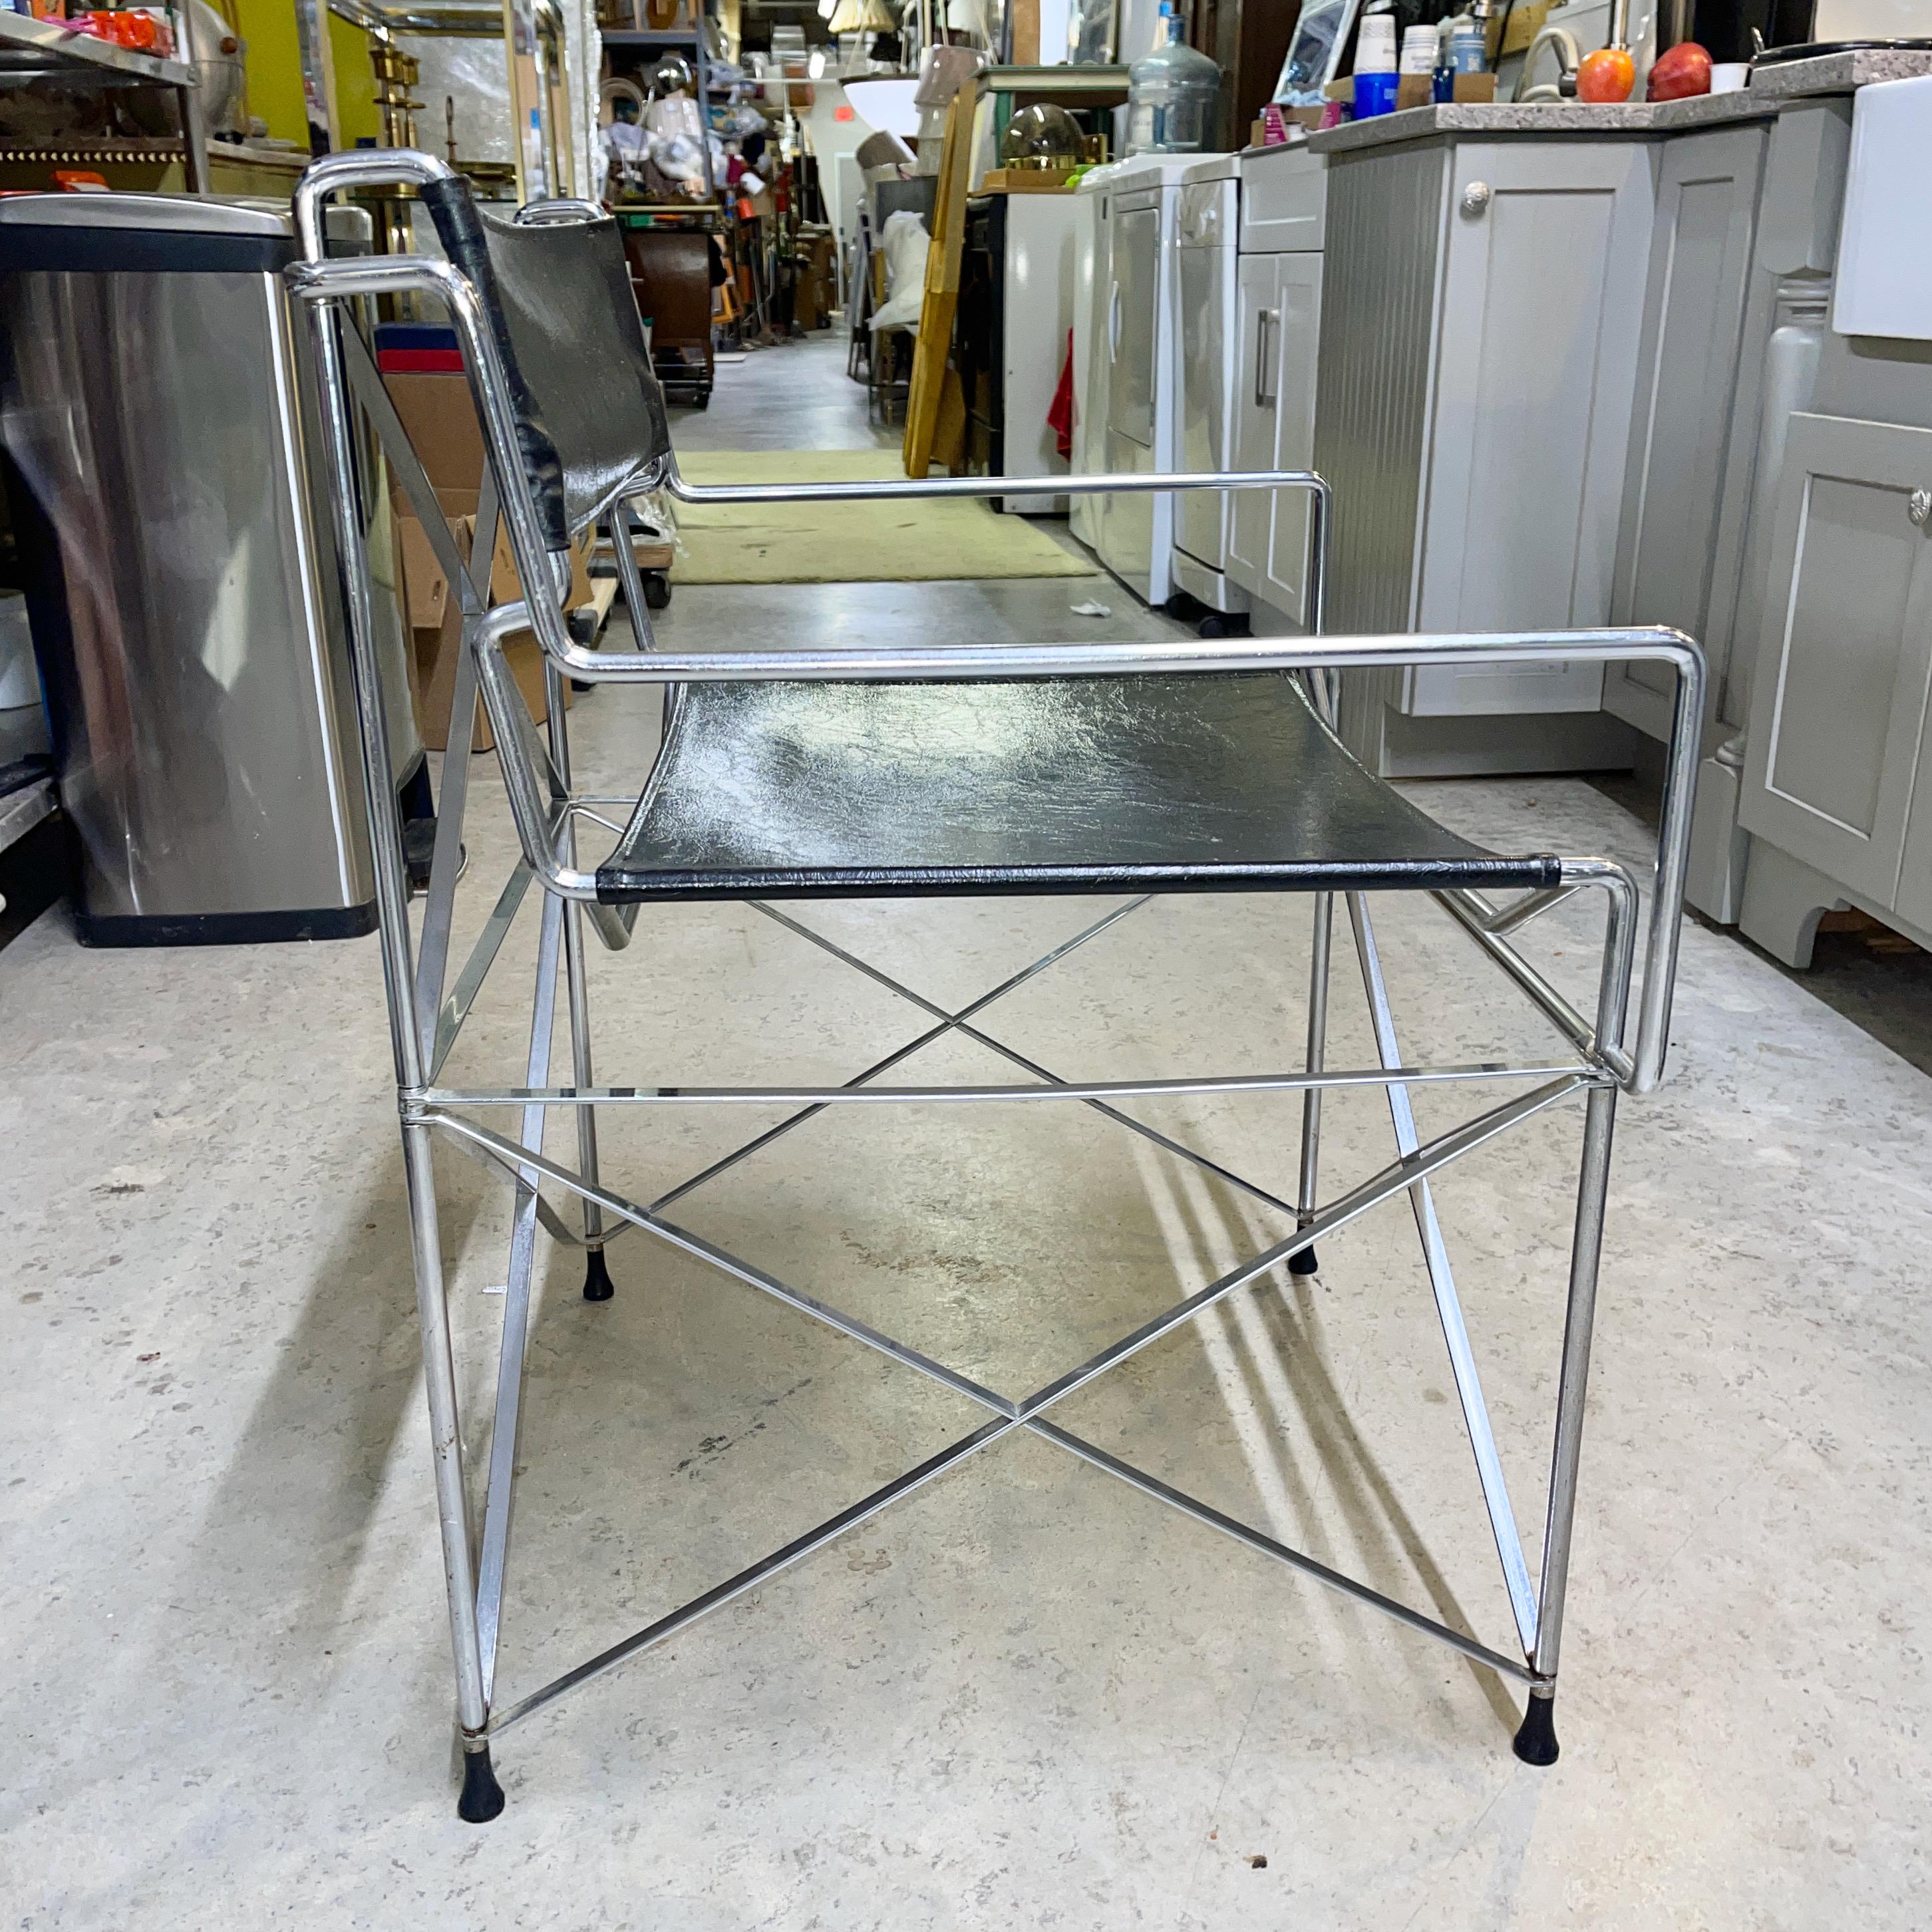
427 1010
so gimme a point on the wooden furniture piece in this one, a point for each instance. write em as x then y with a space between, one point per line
670 275
925 395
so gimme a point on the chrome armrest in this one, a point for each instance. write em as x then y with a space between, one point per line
868 489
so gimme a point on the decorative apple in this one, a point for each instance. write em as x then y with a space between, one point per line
1606 76
1680 72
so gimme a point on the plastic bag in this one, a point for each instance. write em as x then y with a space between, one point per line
905 242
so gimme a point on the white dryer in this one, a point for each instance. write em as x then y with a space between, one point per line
1126 370
1206 336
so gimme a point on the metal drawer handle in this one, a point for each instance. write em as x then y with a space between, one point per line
1475 199
1114 323
1918 506
1263 317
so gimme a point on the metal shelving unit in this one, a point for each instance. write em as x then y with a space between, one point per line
676 40
41 48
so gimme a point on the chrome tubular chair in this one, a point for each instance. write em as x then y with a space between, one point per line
1173 766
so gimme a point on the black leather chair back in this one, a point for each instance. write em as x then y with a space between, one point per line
590 416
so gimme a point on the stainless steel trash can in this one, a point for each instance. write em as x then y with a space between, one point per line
162 459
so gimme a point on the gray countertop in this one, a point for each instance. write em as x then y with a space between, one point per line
1771 88
1543 117
1839 73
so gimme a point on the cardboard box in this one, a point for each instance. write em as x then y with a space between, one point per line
441 421
436 627
425 588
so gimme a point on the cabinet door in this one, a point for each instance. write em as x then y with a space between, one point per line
1136 297
1541 307
1298 308
1680 429
1257 323
1838 708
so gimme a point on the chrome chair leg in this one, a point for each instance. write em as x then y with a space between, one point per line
1306 1198
598 1285
630 579
482 1796
1535 1741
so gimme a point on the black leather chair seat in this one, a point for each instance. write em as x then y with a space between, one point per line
1220 783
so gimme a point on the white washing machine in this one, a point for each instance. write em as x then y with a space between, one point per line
1206 335
1125 371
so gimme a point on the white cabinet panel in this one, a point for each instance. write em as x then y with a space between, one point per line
1680 429
1037 313
1282 192
1542 294
1838 710
1279 315
1296 331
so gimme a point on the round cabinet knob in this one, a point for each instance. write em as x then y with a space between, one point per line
1475 198
1919 506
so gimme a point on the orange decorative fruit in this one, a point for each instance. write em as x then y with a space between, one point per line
1608 75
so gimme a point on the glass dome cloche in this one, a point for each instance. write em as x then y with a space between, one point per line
1042 135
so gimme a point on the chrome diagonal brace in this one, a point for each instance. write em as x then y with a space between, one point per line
518 1160
1448 1303
1160 1140
561 1231
1009 1416
948 1021
446 857
1394 1180
1295 1559
499 1488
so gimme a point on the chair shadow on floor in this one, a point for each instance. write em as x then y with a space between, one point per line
342 1412
1274 1361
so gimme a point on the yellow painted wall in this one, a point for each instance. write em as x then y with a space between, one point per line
274 67
275 79
355 84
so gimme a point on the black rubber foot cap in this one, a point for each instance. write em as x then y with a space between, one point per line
1536 1736
598 1285
482 1797
1304 1263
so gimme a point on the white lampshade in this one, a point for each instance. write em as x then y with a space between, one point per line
886 103
863 16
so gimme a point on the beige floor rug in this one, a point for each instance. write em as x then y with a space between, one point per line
848 543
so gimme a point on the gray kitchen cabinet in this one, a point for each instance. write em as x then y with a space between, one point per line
1279 302
1668 550
1838 704
1542 290
1481 312
1912 901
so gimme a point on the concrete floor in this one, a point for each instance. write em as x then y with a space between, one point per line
1026 1695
